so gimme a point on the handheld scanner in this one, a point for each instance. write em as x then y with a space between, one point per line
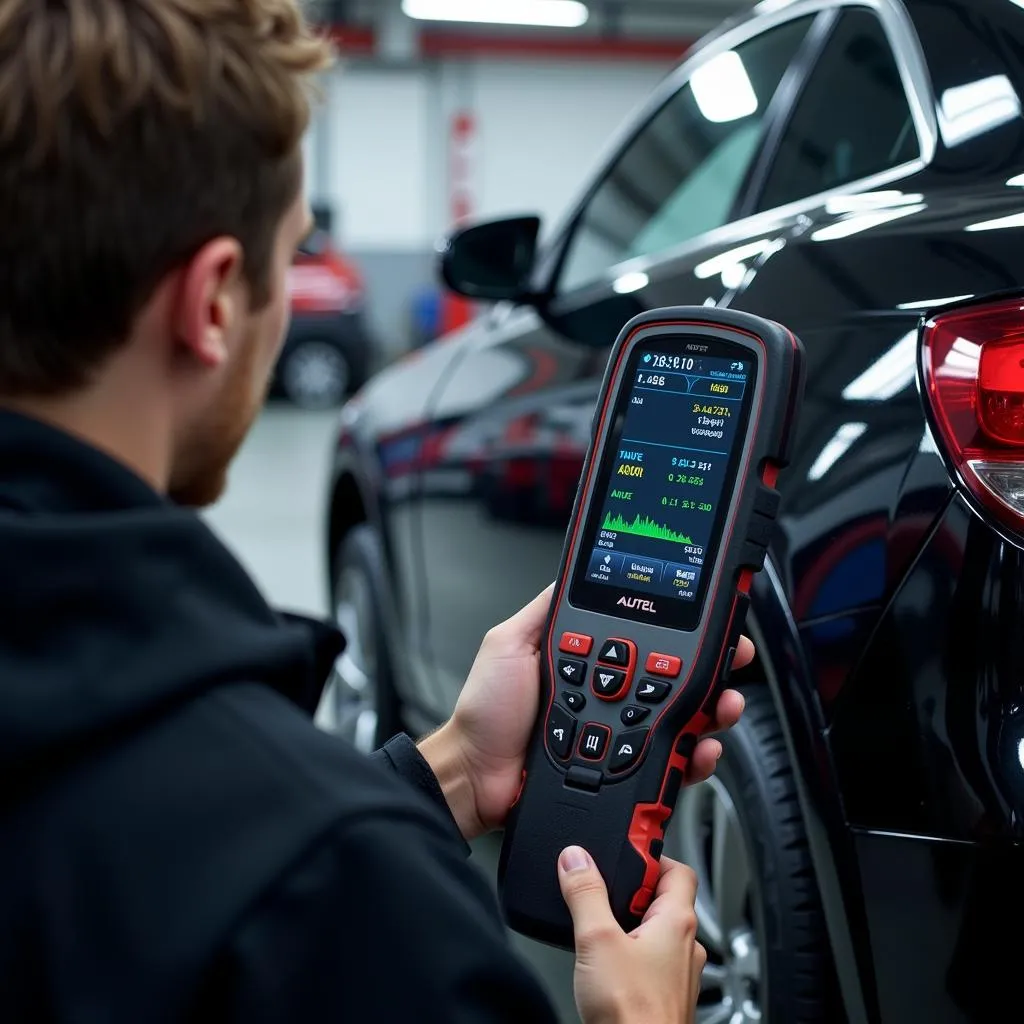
673 516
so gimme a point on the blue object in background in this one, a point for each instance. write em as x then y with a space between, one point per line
426 316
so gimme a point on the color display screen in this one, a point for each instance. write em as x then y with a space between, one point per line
669 462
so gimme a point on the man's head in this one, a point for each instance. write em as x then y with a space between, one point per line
150 203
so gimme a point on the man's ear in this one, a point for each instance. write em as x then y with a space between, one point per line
208 300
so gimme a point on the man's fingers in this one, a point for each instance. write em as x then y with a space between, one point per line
704 761
674 898
744 653
586 896
728 711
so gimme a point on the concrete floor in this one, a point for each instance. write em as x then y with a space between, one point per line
271 517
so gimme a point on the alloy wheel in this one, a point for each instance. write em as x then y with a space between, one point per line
315 375
709 836
351 707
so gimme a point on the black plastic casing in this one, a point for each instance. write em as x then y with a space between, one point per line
621 819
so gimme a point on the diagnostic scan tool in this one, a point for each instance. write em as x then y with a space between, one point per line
674 514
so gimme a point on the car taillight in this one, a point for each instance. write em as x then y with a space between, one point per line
973 365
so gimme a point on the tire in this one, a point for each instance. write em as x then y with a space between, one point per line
315 374
359 701
759 911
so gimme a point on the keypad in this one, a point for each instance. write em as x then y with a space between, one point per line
596 753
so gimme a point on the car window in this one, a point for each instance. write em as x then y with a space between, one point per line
682 173
852 119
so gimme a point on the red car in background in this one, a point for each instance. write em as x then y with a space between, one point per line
328 352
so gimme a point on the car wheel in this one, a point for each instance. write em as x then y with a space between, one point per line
315 375
359 701
758 910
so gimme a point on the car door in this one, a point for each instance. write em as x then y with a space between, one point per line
654 229
854 158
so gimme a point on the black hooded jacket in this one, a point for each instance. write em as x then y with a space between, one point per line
177 841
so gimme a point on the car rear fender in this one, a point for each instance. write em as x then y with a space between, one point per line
780 657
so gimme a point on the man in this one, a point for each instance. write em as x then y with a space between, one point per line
177 841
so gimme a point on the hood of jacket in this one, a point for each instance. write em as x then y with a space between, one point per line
116 604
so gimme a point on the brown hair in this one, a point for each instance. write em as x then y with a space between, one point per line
131 133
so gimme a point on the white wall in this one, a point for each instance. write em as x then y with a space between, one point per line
379 148
377 176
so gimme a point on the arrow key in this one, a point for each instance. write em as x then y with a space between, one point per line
609 682
650 691
614 652
627 748
572 671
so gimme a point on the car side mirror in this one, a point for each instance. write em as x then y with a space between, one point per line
491 261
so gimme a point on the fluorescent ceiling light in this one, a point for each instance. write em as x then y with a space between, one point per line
1015 220
722 89
863 222
962 361
549 13
931 303
841 443
632 282
733 276
718 263
967 111
860 202
890 374
1017 181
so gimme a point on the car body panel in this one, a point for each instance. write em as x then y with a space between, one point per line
944 922
384 439
888 617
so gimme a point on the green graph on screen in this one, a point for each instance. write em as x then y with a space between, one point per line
641 526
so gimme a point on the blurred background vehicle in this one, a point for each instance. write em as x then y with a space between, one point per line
329 352
853 170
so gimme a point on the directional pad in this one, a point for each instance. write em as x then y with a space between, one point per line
609 683
614 652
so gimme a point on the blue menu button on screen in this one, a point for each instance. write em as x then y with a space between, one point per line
605 567
681 580
641 571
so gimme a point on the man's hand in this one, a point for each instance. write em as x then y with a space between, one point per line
478 756
652 974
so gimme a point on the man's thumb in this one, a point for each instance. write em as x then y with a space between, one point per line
585 894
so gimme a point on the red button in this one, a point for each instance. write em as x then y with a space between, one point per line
575 643
664 665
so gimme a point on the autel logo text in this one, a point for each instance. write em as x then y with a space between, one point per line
638 603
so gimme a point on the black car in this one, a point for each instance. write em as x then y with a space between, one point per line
854 171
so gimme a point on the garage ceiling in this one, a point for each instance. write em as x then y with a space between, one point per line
609 19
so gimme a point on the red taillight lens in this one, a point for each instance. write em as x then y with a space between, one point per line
1001 391
973 362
